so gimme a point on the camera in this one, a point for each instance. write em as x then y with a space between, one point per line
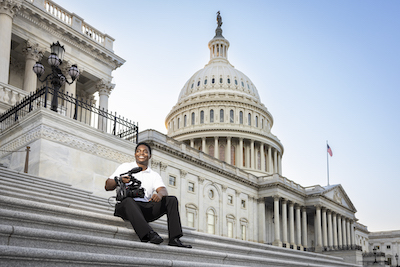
132 190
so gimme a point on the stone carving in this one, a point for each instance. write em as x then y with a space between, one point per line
337 197
46 132
183 173
10 7
104 87
218 31
32 51
163 166
155 163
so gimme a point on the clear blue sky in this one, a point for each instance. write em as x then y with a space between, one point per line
326 70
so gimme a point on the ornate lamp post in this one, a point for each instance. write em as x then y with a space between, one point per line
397 260
56 76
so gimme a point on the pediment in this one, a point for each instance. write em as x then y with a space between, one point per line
337 194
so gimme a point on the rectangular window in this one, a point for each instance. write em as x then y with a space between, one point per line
243 203
243 228
230 199
191 219
172 180
230 229
191 187
212 115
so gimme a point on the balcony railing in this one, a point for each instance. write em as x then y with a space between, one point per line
69 106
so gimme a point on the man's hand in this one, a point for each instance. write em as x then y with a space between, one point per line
125 179
156 198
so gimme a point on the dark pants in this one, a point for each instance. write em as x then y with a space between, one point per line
140 213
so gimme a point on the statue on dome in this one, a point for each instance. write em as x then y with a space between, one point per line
218 31
219 20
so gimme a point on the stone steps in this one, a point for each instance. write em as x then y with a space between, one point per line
71 227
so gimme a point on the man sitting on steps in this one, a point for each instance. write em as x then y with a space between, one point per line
141 210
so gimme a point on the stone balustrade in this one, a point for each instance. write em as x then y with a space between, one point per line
74 21
10 95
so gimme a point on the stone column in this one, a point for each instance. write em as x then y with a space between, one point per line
344 232
270 166
318 247
348 233
104 89
279 164
298 226
330 230
335 231
275 161
240 159
291 223
8 8
261 221
277 241
304 227
353 241
203 145
252 162
324 229
192 143
284 221
228 152
340 233
32 55
262 157
202 223
216 148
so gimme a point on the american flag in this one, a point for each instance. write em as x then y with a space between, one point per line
329 150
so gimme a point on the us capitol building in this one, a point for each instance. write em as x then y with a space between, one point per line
219 157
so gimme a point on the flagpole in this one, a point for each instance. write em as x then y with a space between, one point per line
327 161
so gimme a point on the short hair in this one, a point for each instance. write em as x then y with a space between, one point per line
145 144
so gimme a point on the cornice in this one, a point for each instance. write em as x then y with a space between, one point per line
66 33
200 163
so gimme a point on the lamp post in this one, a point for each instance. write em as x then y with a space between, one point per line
56 76
397 260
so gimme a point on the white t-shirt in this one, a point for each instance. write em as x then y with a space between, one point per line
149 178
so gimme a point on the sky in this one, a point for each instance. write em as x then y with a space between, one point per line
328 71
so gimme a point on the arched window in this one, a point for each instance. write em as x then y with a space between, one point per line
211 150
229 81
184 121
193 118
244 157
231 118
212 115
258 160
198 83
221 115
179 120
212 80
241 117
205 81
249 119
210 221
202 116
221 153
256 121
235 82
220 80
262 123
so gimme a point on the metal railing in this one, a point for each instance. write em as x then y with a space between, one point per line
77 109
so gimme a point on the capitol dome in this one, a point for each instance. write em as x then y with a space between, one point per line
219 112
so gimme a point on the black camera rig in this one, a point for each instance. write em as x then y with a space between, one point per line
131 190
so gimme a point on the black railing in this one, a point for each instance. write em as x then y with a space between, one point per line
69 106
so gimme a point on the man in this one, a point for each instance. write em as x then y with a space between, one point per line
155 203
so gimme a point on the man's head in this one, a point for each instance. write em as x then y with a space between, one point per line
142 153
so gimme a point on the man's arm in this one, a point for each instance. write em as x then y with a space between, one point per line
161 192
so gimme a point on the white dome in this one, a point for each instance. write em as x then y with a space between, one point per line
219 76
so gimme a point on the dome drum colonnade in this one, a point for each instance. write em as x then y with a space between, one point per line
332 230
220 113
